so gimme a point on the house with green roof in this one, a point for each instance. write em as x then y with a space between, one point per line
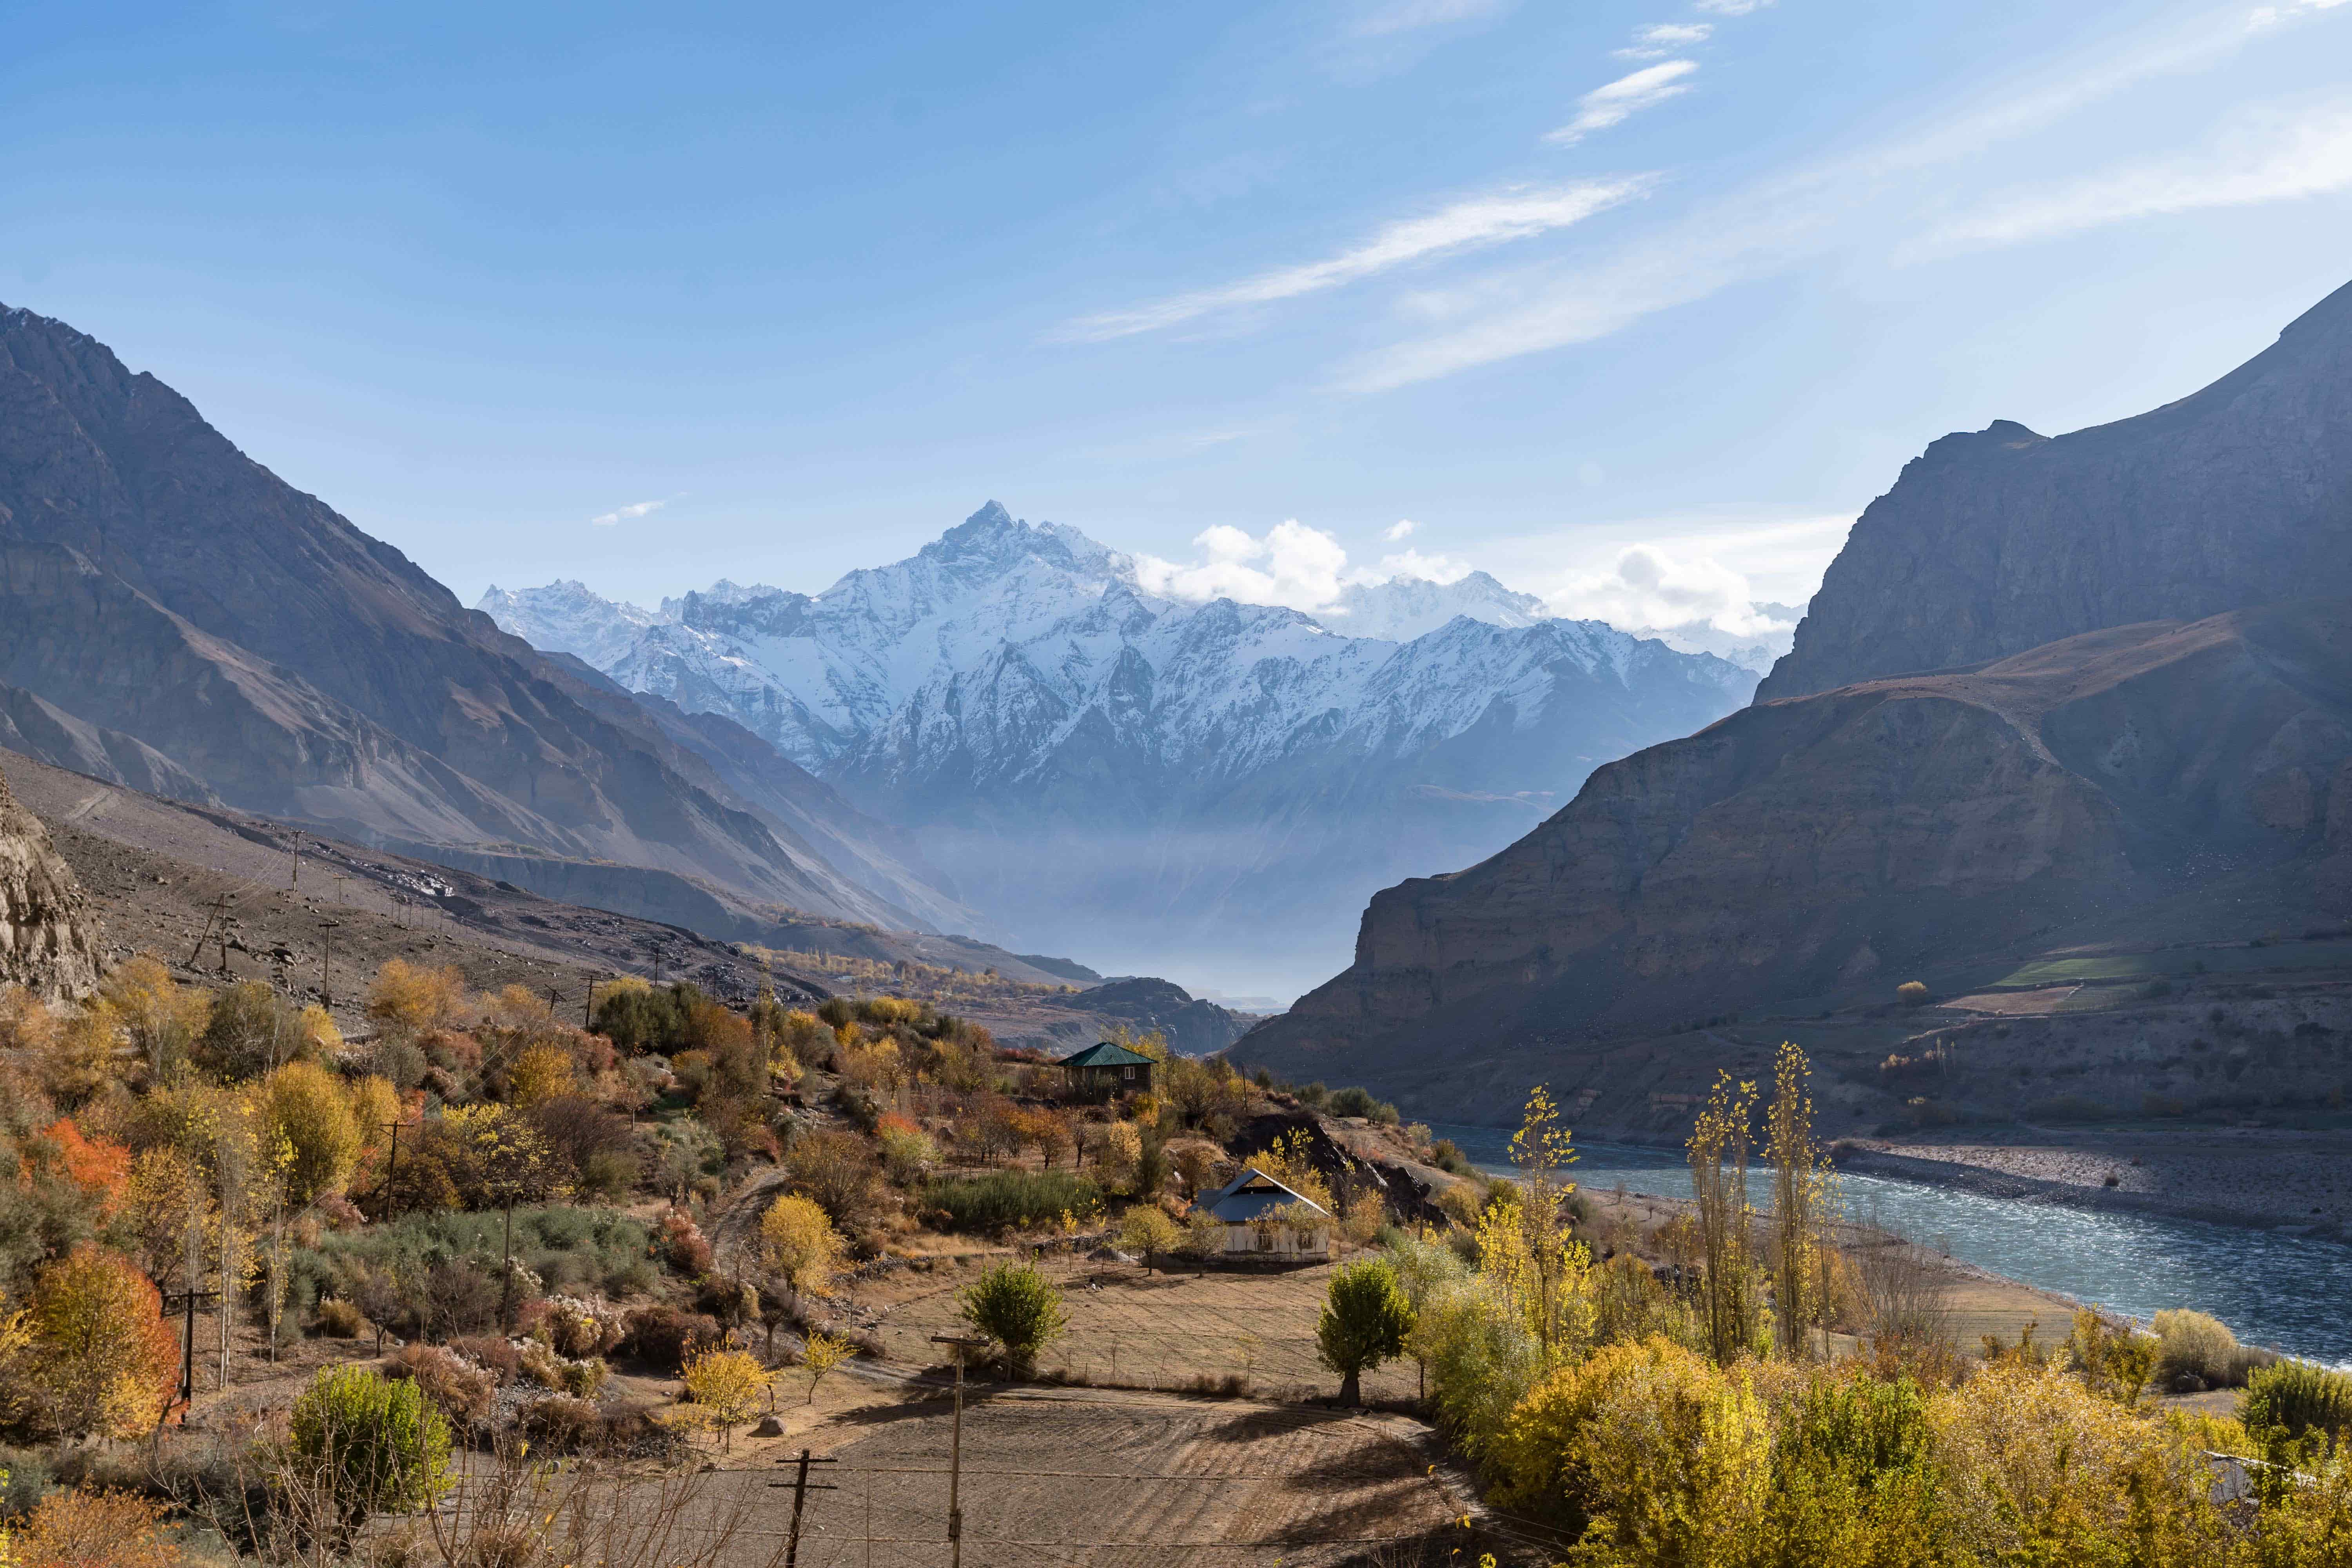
1104 1072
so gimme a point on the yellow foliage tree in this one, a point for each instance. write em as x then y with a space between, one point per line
799 1243
416 998
542 1073
161 1017
823 1354
305 1112
93 1528
1289 1160
725 1387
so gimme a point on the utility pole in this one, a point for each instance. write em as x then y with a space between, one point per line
339 880
588 1007
220 913
801 1490
955 1448
187 1300
294 878
391 1165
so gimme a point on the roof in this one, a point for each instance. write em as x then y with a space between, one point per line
1105 1055
1252 1195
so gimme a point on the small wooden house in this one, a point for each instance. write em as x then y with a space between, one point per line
1104 1072
1262 1219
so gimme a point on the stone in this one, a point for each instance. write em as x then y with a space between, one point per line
48 933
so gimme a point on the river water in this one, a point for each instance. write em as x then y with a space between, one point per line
2292 1293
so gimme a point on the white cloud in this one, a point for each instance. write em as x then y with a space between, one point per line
1474 223
1439 569
2268 159
1294 564
2262 17
1708 571
1647 588
1730 8
1663 38
1624 98
1399 529
1408 15
625 513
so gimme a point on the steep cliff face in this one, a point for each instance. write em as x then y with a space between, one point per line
212 629
2001 540
48 933
1840 842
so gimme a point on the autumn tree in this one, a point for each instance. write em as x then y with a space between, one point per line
1718 1151
1364 1323
822 1353
160 1017
99 1360
305 1110
1801 1204
835 1171
725 1387
417 999
800 1244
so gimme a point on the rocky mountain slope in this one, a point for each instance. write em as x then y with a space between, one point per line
173 615
2001 540
48 933
1815 851
2135 728
1143 780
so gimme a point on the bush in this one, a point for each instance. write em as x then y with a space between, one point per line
1010 1199
102 1359
580 1329
726 1385
93 1530
573 1250
558 1424
461 1392
2193 1346
338 1320
2288 1402
1015 1305
494 1353
1912 993
668 1337
799 1243
683 1247
369 1443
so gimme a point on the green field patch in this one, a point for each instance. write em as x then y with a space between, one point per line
2174 962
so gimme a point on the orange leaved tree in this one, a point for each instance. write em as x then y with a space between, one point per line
101 1360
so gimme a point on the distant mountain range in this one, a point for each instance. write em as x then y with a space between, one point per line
2077 696
1145 780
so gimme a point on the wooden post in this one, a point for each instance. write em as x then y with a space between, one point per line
955 1448
801 1490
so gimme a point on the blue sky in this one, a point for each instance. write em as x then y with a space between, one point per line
779 291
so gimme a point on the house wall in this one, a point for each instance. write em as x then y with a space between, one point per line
1248 1241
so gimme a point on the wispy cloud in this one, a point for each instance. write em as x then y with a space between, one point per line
1851 202
1624 98
1474 223
1399 530
1730 8
2272 16
2265 159
1663 38
621 514
1410 15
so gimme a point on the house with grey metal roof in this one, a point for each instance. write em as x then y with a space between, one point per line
1263 1220
1104 1072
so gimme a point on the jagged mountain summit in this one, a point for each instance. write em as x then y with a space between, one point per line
1130 775
175 617
1999 540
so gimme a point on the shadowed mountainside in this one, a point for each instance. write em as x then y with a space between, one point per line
2195 774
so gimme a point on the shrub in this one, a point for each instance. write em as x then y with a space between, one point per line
2191 1346
668 1337
580 1328
573 1250
1479 1358
494 1353
2287 1404
338 1320
1015 1305
461 1392
89 1529
1912 993
369 1443
1655 1451
1364 1323
1010 1199
559 1422
683 1247
837 1170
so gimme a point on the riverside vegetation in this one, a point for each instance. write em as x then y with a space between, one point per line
515 1278
1784 1395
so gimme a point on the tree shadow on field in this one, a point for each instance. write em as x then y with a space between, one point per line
1251 1425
